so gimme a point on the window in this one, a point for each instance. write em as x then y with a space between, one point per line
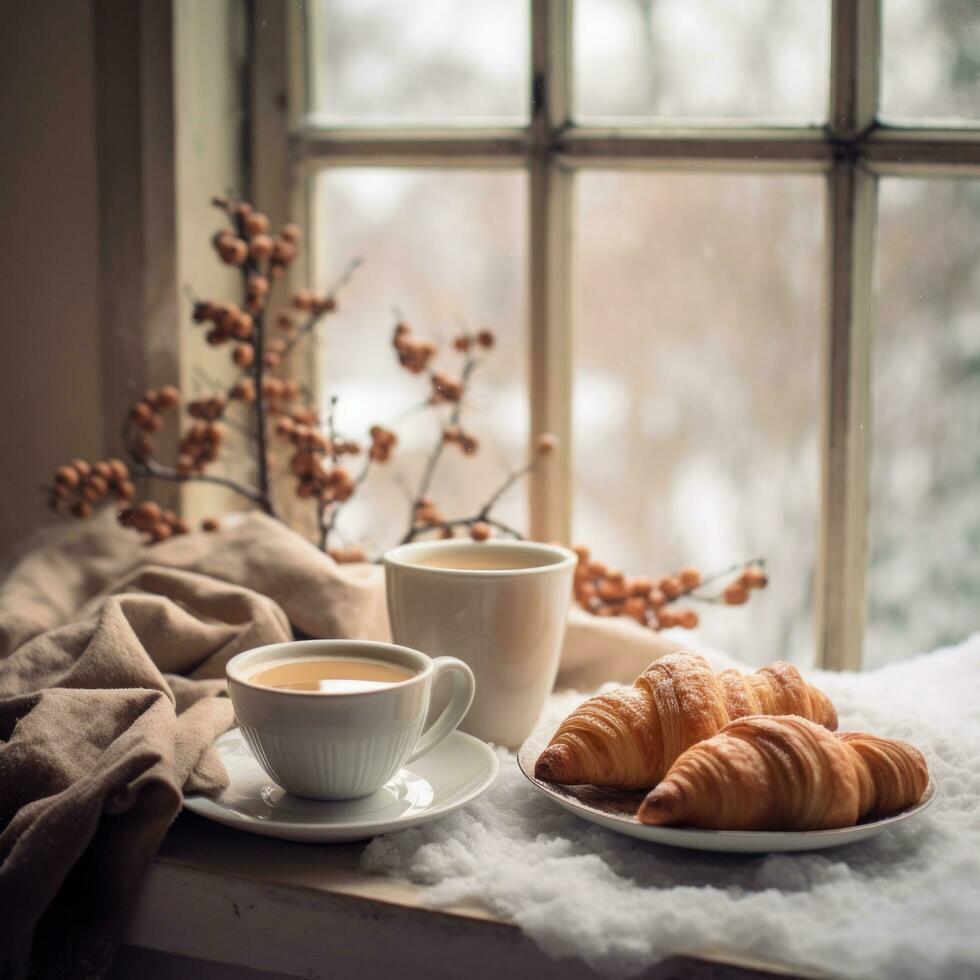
677 213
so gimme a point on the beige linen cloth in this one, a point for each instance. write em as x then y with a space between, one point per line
112 660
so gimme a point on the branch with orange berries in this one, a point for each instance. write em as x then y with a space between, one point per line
605 591
262 405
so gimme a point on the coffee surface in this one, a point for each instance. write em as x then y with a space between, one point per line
334 675
491 561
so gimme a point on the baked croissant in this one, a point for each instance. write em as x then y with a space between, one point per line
766 773
628 738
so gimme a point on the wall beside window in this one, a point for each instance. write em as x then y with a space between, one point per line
49 325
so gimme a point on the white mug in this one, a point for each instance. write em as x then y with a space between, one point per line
507 624
328 746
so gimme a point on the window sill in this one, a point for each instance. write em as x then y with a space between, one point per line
306 910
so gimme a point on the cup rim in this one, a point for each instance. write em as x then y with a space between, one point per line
233 667
400 557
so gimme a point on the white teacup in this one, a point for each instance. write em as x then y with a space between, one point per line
500 606
341 746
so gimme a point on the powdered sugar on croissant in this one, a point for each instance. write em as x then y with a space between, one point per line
628 738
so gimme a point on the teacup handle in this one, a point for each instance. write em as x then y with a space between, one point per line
464 687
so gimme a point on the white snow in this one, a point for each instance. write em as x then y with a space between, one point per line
903 905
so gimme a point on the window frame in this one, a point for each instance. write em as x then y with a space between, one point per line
852 150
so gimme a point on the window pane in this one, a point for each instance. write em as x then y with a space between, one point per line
924 588
443 249
729 59
402 62
696 398
931 60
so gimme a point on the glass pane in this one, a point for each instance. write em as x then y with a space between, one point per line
402 62
931 60
728 59
696 388
443 250
924 587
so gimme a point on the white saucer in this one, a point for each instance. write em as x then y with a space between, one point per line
616 810
456 771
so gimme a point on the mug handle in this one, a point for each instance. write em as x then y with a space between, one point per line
464 687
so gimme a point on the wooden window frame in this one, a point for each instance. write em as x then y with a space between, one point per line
852 150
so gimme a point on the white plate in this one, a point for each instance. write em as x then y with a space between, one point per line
456 771
616 810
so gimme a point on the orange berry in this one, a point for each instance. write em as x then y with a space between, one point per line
611 592
486 339
233 251
736 594
168 396
754 578
547 443
203 310
160 532
480 531
256 223
258 286
283 252
640 586
67 476
80 467
667 619
303 300
670 586
291 233
210 524
690 577
140 413
636 608
583 553
244 390
81 508
686 618
244 355
242 326
261 247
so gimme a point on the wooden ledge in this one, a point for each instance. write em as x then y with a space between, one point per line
307 910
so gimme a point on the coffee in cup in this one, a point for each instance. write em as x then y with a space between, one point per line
337 719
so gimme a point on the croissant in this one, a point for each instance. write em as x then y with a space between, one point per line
628 738
766 773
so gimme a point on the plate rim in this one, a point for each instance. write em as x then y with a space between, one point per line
704 833
206 806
